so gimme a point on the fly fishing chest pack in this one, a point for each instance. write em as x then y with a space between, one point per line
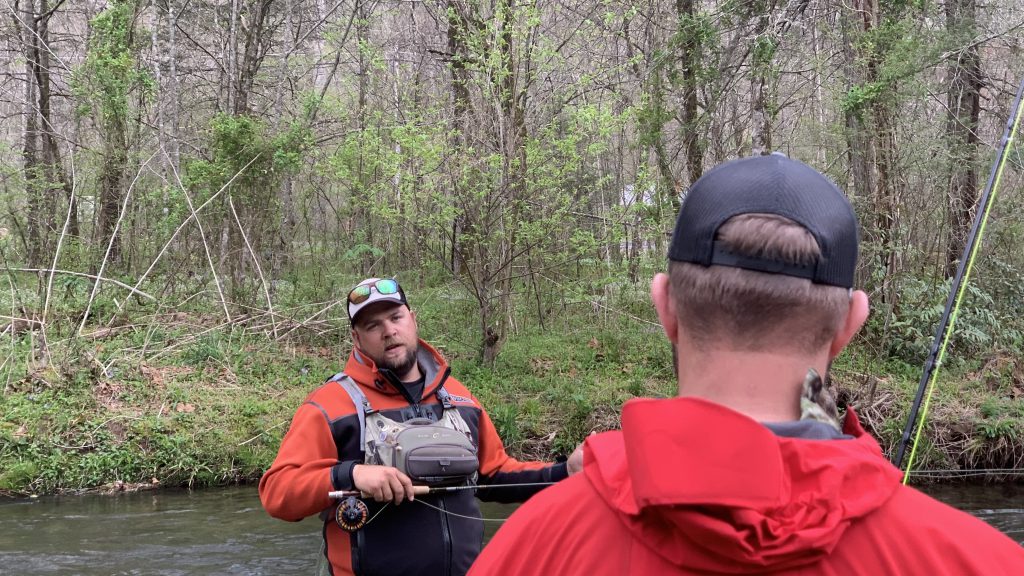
430 453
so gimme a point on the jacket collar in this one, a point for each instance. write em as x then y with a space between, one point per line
686 466
730 443
363 370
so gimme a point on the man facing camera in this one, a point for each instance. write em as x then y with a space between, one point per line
393 422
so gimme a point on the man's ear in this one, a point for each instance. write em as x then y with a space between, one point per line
665 306
855 317
355 338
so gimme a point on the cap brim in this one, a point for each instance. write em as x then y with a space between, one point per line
375 298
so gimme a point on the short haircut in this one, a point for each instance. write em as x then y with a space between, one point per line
745 310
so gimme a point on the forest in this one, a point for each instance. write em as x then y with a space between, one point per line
190 187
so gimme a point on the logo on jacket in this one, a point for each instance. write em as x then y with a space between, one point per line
462 399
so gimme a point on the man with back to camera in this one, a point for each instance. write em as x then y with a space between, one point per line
748 470
349 435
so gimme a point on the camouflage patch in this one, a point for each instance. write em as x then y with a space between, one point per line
816 402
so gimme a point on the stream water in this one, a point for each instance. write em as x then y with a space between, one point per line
225 531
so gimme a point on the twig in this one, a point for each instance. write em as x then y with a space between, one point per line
30 321
53 267
274 427
110 244
7 382
17 18
84 275
206 246
188 340
594 302
256 262
304 322
193 214
104 332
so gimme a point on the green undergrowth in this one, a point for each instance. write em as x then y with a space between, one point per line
212 414
188 400
973 425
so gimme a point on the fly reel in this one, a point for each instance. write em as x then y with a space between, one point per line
351 514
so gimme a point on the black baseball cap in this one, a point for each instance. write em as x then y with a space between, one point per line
772 184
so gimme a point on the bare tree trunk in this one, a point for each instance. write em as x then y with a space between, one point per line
363 201
112 172
635 241
690 54
817 48
408 248
670 189
230 55
760 118
37 43
459 29
51 153
164 37
257 41
963 112
172 56
760 92
281 255
36 218
876 136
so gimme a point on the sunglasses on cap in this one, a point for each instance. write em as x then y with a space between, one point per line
361 293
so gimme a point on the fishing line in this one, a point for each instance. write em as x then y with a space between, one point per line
951 473
386 504
439 509
944 332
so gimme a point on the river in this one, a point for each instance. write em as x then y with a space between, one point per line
225 531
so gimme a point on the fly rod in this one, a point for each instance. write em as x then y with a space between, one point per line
423 490
949 314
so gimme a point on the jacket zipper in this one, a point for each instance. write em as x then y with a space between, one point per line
446 528
446 534
357 552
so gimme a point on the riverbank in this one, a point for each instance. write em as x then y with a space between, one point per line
190 400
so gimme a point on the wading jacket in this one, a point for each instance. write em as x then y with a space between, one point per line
692 487
323 444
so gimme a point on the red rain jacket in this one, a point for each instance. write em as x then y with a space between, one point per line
692 487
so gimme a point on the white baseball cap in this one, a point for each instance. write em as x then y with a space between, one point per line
374 290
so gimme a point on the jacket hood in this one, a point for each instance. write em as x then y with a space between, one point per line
364 371
710 489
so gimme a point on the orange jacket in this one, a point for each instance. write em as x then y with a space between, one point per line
322 445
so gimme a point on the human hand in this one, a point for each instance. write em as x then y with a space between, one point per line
382 483
575 462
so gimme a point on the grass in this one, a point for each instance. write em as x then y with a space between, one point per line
185 398
210 419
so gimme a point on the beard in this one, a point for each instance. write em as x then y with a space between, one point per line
400 366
